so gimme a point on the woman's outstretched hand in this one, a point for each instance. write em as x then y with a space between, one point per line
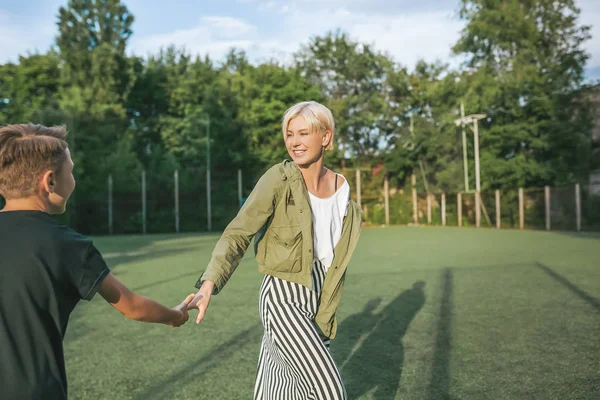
202 300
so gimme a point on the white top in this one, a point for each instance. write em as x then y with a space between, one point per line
328 217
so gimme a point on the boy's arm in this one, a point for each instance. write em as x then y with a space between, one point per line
140 308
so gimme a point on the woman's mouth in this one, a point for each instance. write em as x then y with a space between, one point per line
298 153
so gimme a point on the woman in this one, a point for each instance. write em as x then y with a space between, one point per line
305 228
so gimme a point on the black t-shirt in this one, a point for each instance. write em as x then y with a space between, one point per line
45 269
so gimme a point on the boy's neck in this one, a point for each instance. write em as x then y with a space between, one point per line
32 203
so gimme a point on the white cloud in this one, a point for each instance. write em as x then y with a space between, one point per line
214 35
406 37
17 38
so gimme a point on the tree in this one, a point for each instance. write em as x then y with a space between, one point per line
351 76
525 62
92 40
28 88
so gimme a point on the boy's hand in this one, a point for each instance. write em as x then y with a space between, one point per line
182 309
202 299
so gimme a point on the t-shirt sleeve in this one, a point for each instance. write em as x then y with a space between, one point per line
92 274
87 268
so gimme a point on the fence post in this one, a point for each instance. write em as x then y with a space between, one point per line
358 188
547 201
240 186
110 205
208 201
443 209
413 180
429 209
144 202
176 177
498 210
521 209
386 194
578 206
477 208
459 207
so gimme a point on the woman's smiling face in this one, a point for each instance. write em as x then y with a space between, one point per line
303 146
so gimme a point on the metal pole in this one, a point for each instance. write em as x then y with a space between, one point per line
144 202
176 178
240 186
464 140
387 199
578 206
110 205
477 180
358 199
521 209
459 207
443 209
428 209
498 216
208 185
414 198
547 198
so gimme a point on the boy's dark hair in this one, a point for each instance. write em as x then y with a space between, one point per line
26 152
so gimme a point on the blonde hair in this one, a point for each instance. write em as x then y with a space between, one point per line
26 151
318 118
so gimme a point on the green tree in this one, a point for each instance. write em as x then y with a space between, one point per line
28 88
92 40
351 76
525 62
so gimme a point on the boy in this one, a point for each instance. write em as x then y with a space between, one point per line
46 268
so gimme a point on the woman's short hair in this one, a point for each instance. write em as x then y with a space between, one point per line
318 118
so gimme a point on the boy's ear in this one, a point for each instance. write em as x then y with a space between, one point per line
49 181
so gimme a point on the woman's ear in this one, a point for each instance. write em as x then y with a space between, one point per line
326 138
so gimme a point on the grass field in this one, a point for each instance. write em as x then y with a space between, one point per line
428 313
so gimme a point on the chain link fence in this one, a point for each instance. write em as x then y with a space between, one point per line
178 202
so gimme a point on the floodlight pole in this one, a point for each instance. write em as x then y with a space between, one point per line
468 119
477 178
464 141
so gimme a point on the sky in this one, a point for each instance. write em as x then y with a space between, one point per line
407 30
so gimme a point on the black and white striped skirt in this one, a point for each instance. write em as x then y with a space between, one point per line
294 362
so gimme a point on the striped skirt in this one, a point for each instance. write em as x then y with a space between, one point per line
294 362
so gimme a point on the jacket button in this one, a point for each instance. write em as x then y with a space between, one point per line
310 250
301 211
336 267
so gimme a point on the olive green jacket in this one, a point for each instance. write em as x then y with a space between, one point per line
278 215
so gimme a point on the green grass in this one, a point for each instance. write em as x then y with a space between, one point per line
427 313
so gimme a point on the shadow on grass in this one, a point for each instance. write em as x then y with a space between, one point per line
378 361
439 386
163 389
571 286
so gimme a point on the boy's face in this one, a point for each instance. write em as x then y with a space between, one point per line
59 186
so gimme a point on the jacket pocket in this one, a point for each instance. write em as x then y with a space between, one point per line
284 249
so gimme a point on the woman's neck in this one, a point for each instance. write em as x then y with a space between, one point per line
313 175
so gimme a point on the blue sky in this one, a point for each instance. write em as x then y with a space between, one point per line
405 29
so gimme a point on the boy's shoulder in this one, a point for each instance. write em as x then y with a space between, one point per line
41 227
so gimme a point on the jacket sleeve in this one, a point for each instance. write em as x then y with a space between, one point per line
234 241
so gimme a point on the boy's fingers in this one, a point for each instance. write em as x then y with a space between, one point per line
189 299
